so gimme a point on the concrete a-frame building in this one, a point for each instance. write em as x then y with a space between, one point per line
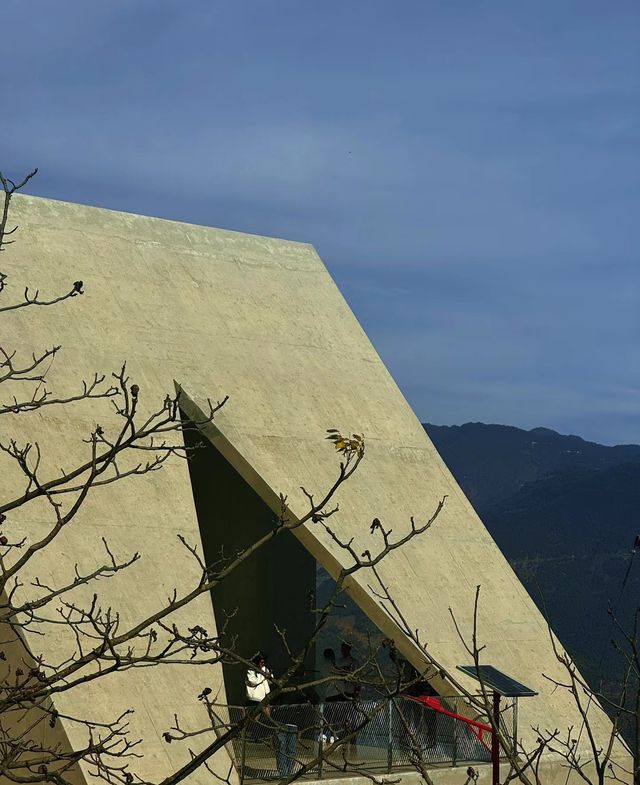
258 319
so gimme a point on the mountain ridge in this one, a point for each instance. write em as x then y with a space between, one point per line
493 461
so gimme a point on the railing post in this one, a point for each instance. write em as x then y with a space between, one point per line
454 749
495 744
243 745
390 736
320 742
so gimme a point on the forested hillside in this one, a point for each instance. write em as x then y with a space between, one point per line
565 512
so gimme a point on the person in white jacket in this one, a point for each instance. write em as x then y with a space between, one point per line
258 687
257 680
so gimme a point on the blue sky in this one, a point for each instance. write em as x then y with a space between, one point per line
469 171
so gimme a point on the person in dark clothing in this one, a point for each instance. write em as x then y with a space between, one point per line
329 693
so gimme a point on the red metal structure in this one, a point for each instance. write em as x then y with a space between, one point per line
477 728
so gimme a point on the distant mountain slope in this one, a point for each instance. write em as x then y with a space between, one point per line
565 513
569 538
492 462
576 512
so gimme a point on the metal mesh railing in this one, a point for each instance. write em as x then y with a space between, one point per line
318 740
438 737
280 741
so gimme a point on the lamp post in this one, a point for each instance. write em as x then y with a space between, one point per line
502 686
